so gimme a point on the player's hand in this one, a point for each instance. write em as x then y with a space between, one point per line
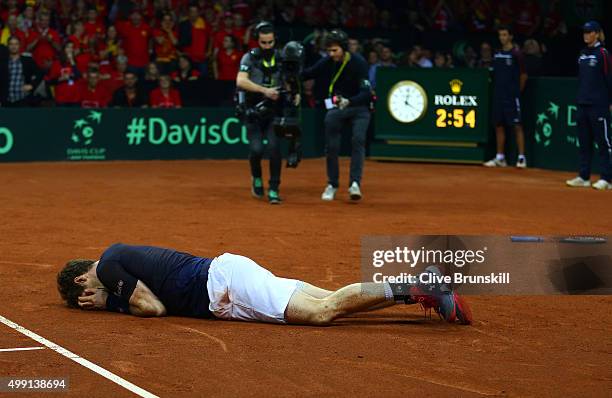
93 299
297 100
271 93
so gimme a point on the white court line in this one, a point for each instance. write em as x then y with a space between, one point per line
21 349
81 361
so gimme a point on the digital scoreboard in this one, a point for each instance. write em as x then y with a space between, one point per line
433 108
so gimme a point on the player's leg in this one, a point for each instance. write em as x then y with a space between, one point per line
585 139
305 309
519 133
320 293
500 136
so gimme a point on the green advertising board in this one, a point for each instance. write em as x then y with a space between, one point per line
432 114
550 123
29 134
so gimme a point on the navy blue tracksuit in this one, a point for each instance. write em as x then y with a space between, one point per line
507 69
593 114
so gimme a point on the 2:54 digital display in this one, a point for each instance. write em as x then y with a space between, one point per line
456 118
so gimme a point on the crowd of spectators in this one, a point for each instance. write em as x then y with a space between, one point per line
99 53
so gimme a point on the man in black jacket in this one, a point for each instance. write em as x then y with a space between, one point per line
19 76
346 76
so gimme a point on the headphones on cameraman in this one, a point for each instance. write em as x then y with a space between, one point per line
263 27
338 36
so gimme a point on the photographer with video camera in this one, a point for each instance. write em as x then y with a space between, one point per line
258 83
346 76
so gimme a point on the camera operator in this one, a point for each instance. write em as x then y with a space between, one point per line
346 76
258 79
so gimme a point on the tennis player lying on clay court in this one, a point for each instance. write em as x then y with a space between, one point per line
150 281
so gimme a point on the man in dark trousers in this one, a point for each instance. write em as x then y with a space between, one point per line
509 79
346 76
258 79
593 112
19 76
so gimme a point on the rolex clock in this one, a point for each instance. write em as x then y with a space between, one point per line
407 101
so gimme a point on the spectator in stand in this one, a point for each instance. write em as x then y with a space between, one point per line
26 19
354 46
386 60
166 39
450 61
64 77
219 36
553 25
527 18
486 56
440 14
185 71
240 32
78 36
151 78
165 96
135 36
93 94
110 47
479 15
94 26
11 8
113 73
439 59
130 95
43 42
411 58
421 57
532 57
194 39
12 29
20 76
228 60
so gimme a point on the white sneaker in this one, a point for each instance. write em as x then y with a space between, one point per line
602 185
578 182
495 163
521 163
329 193
354 191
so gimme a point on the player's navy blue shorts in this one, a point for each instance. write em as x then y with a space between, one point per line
507 112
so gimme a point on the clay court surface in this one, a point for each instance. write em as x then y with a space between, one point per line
519 346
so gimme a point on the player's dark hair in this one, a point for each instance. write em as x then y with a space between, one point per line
69 290
264 27
506 28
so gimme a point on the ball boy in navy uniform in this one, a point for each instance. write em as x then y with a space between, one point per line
509 81
593 113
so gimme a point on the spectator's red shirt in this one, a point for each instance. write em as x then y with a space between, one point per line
116 80
96 98
218 38
176 75
67 91
135 42
4 14
166 51
84 59
93 29
200 35
228 64
79 42
157 99
43 51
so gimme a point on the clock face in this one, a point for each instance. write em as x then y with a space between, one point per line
407 101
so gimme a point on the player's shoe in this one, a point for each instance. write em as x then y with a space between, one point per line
449 305
521 163
329 193
354 191
495 163
602 185
257 189
273 197
578 182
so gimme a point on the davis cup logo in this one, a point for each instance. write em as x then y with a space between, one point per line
84 128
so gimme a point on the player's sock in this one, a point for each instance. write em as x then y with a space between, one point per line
500 156
398 292
521 157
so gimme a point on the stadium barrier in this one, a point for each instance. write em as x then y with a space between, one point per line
55 134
